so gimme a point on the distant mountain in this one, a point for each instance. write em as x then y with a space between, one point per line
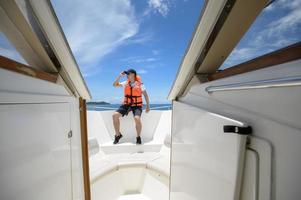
97 103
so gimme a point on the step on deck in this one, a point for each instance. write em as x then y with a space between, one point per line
109 148
133 197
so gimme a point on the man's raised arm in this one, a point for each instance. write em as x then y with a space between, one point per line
116 82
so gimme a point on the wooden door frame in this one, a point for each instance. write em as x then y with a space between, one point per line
11 65
85 150
280 56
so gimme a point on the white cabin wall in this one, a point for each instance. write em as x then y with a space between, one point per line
50 113
273 113
204 159
17 83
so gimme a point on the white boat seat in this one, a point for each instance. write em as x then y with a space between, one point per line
93 146
101 165
109 148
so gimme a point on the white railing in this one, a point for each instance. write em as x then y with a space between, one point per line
165 107
261 84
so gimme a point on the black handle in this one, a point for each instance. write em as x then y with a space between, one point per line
239 130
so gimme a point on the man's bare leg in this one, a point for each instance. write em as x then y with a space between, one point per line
138 125
116 122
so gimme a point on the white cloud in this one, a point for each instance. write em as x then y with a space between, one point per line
288 22
142 71
282 4
95 28
280 32
138 59
140 38
156 52
243 53
159 6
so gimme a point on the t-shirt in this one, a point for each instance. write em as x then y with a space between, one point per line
133 85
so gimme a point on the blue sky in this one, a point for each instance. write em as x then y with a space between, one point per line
107 37
278 26
151 36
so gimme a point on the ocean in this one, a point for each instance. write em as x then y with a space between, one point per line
115 106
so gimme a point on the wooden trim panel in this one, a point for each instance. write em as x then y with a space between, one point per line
12 65
290 53
85 150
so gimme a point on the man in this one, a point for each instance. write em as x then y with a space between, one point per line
133 90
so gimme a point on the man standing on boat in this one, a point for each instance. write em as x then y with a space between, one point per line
133 90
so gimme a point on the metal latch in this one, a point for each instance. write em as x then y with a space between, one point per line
70 134
239 130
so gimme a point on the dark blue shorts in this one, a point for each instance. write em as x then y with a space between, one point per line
124 110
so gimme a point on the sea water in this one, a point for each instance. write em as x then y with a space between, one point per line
115 106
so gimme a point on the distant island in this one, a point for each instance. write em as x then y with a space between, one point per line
97 103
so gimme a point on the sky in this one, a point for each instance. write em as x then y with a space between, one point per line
278 26
108 37
151 36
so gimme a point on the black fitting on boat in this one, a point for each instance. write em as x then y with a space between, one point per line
239 130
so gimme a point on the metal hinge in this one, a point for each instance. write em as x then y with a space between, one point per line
70 134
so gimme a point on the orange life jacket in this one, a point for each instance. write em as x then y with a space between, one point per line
133 95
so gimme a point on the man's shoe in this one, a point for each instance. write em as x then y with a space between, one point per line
138 140
117 138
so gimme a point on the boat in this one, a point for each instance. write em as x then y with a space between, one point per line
230 134
129 171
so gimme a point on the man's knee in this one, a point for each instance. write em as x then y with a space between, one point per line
137 119
116 115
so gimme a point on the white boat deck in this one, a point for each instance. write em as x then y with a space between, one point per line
136 170
127 147
134 197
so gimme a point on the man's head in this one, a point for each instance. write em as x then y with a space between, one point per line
131 74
